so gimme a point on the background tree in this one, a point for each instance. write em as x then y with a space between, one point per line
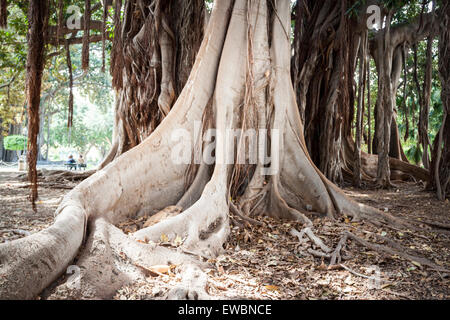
440 167
16 143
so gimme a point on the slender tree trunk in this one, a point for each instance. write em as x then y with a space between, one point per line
369 112
360 112
440 165
37 26
3 13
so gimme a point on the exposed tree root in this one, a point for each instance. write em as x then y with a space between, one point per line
335 257
316 240
59 175
436 224
395 249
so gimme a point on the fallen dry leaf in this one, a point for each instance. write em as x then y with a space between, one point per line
272 288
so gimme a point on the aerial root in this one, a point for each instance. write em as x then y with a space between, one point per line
194 192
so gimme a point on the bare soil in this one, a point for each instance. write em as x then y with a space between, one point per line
269 263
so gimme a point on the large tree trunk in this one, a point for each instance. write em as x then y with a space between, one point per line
240 81
154 50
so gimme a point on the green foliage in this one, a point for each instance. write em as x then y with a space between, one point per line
15 142
92 121
413 153
93 105
91 128
13 55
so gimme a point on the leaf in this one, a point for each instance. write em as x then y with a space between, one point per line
272 288
438 262
164 269
178 241
416 264
156 270
164 238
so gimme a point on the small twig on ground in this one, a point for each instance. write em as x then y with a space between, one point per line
354 272
315 239
337 252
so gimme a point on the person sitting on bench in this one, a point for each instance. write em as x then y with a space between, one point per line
71 163
81 163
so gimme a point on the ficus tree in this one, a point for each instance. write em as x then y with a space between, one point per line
230 143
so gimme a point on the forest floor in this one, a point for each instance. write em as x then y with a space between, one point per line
269 263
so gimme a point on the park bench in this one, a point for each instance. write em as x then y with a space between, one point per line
71 166
83 165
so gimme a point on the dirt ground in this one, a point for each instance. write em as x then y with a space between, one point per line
269 263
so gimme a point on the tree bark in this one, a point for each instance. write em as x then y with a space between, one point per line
37 25
326 43
3 14
440 165
360 111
